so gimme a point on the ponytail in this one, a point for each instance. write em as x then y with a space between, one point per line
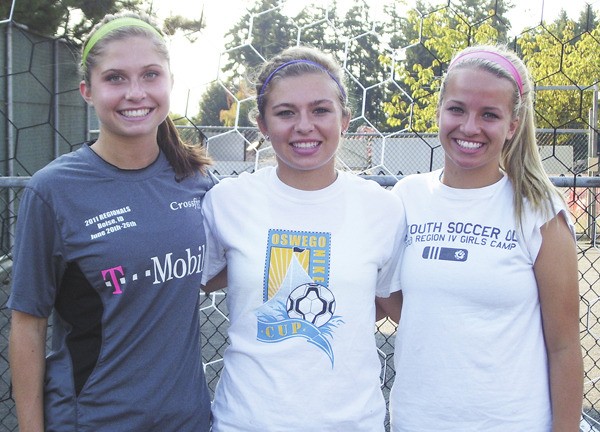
186 159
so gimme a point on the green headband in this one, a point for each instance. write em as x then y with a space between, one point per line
111 26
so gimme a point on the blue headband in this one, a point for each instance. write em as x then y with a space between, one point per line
291 62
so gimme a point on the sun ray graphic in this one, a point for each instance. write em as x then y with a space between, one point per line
279 262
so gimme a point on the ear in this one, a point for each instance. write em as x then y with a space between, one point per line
346 121
86 92
262 126
512 128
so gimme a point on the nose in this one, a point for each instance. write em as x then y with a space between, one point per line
304 123
471 125
135 91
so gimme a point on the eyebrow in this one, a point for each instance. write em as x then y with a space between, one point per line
313 103
461 103
148 66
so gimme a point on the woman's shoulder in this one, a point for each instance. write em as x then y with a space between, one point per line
371 190
241 184
63 168
414 181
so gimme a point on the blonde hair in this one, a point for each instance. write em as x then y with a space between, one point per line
520 157
186 159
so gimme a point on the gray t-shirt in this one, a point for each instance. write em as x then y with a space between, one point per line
118 256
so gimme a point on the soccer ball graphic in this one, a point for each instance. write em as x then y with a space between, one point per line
311 302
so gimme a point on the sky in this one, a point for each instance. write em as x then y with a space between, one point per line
196 65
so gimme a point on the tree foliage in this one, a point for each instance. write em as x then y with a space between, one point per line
564 60
562 55
237 110
358 41
365 73
214 100
73 19
260 33
190 27
432 36
268 28
69 19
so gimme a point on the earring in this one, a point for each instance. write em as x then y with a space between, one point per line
267 138
343 133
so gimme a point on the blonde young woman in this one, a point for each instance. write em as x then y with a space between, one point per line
488 338
110 241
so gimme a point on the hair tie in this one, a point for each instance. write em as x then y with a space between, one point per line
494 57
291 62
111 26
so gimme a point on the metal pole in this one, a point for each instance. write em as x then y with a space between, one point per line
593 140
55 105
594 122
592 171
10 134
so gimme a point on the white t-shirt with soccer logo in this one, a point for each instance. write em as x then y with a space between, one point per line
303 271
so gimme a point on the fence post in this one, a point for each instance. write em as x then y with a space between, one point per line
592 166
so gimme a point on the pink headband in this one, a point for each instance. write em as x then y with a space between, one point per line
499 59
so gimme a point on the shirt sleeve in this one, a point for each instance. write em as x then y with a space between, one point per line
38 262
216 259
388 279
538 219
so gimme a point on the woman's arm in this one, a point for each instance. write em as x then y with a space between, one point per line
389 307
216 283
557 279
27 352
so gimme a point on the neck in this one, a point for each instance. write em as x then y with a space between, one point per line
310 180
469 180
127 155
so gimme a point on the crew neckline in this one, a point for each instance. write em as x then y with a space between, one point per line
124 174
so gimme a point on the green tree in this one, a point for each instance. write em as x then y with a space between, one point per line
39 15
565 66
492 12
190 27
237 110
262 32
258 35
218 107
213 101
425 22
366 75
436 35
268 28
588 20
562 56
355 38
73 19
58 17
315 27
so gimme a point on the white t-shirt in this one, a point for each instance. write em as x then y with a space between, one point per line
470 352
303 271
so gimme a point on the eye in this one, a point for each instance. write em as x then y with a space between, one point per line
151 74
322 110
284 113
114 78
491 115
455 109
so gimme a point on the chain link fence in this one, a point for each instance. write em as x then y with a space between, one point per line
214 311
